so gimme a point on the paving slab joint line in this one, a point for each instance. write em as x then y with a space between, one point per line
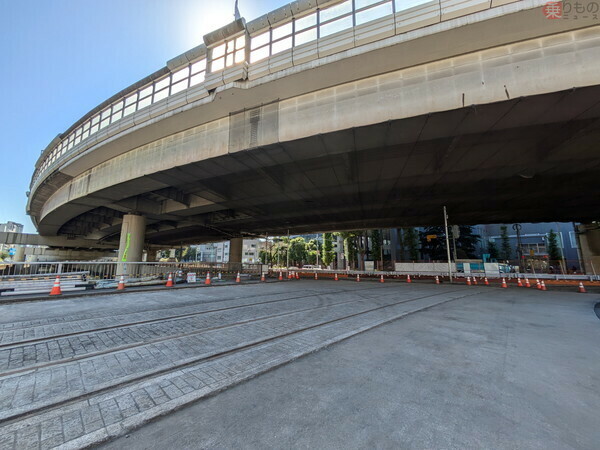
67 400
161 319
131 290
119 429
129 346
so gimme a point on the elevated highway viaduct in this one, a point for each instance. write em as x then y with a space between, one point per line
337 115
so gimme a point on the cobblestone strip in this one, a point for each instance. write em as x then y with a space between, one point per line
76 324
111 414
73 323
28 356
24 392
189 298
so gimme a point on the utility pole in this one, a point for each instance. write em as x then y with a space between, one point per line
517 227
447 244
288 251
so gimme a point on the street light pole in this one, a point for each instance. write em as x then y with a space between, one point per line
447 244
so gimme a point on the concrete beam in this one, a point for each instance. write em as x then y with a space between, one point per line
52 241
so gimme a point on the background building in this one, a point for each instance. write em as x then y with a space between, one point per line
9 227
219 251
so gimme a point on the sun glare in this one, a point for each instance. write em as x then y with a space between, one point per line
204 17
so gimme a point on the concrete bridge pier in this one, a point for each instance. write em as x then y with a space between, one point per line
131 244
236 248
19 255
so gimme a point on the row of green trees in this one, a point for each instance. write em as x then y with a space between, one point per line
361 245
300 251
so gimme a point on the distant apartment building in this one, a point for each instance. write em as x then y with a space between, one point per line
219 251
534 240
9 227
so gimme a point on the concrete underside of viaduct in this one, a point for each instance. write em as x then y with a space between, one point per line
525 159
497 120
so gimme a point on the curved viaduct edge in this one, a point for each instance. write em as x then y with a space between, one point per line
351 72
381 112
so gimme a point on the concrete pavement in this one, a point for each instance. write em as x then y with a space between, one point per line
80 371
508 369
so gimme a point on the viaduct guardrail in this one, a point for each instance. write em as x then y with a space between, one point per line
293 34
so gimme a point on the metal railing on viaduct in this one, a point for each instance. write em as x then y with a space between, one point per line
293 34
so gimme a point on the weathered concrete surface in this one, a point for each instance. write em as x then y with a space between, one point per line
79 372
510 369
469 114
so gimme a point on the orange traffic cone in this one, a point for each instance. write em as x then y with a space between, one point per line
316 276
468 281
262 277
335 278
543 286
358 277
280 276
56 288
207 281
475 281
437 280
486 282
538 285
381 280
121 284
297 275
504 285
169 281
581 288
408 278
519 282
238 279
527 284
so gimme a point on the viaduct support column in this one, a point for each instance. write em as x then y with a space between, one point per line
20 254
589 243
131 244
236 248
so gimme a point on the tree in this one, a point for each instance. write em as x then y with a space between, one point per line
410 242
376 246
505 249
466 243
265 256
312 247
435 248
350 249
553 250
297 251
328 254
189 253
279 251
492 249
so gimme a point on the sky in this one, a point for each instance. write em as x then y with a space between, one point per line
62 58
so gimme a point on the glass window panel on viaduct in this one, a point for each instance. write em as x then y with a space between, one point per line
331 115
